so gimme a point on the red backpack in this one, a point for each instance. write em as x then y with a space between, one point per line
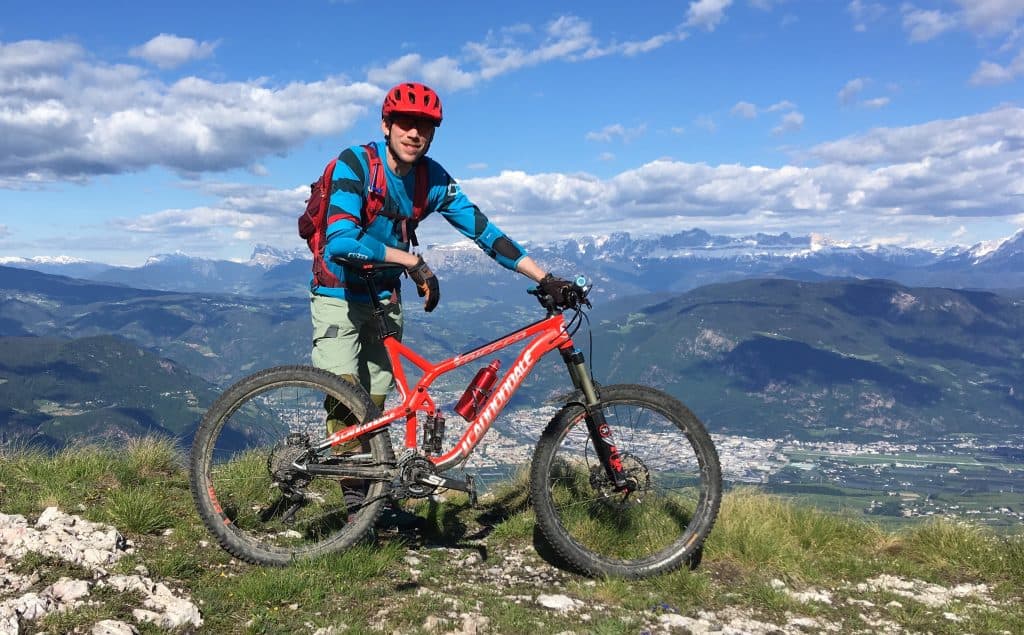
314 221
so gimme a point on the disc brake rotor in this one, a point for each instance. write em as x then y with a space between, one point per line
638 482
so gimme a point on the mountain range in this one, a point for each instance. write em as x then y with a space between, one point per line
621 264
829 358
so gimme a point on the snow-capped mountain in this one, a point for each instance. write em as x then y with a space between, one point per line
620 263
268 257
58 265
1007 255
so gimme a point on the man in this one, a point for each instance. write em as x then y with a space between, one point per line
345 339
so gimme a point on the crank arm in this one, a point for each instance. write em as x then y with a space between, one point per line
468 485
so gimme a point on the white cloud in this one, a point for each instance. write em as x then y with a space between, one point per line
477 166
944 173
864 13
707 123
792 121
984 18
848 93
606 156
5 231
567 38
744 109
244 213
785 104
616 131
912 175
707 14
195 220
64 116
170 51
877 102
989 17
989 73
924 25
37 55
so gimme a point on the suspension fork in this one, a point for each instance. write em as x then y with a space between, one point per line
600 431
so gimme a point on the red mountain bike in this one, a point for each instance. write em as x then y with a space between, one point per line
624 480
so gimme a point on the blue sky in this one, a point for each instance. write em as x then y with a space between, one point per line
128 130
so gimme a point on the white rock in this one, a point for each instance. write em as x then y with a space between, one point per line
562 603
66 590
8 620
113 627
32 606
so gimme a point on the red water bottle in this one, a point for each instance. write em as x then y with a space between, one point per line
477 391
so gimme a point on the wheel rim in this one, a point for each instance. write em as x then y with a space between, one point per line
661 519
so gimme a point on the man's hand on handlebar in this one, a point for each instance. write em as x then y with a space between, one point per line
559 290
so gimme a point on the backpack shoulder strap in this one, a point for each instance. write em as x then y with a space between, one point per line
376 184
419 200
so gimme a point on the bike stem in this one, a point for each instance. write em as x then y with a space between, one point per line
600 432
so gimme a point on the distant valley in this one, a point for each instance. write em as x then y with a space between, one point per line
828 359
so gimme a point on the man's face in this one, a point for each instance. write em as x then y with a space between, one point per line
410 136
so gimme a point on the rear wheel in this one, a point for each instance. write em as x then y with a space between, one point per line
675 486
247 491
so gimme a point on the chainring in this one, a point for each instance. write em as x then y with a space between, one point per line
410 469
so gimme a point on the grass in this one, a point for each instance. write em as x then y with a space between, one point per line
440 570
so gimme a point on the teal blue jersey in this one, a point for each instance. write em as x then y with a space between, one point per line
347 237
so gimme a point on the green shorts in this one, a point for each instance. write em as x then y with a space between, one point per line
345 340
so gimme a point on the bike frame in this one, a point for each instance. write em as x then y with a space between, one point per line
543 337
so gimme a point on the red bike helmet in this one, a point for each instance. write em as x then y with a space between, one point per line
412 99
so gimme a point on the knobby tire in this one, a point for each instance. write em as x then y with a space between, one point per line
654 530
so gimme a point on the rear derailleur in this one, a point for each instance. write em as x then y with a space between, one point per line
286 477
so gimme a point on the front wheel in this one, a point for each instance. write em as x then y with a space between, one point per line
675 486
246 487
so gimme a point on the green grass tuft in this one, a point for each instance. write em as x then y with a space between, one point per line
139 510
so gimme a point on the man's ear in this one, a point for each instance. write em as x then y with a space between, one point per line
385 127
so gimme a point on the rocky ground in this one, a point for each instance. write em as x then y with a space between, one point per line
91 548
446 574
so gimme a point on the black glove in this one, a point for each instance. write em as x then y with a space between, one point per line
557 288
426 284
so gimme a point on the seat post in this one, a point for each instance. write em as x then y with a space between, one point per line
383 327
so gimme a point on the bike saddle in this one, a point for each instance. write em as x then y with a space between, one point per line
365 267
